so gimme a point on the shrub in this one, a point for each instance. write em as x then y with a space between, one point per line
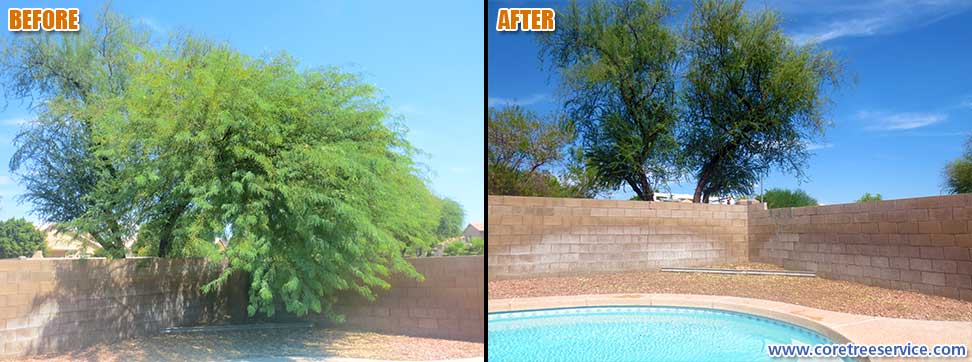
868 197
778 198
473 247
18 237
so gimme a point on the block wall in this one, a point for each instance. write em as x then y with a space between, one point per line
919 244
49 306
535 236
448 303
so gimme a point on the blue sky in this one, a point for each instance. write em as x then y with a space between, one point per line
428 64
905 108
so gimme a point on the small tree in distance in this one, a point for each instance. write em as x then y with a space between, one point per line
19 237
868 197
780 198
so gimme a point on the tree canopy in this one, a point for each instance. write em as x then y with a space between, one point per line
958 173
302 171
724 98
18 237
779 198
451 216
617 63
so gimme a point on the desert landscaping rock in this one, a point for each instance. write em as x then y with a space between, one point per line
261 344
834 295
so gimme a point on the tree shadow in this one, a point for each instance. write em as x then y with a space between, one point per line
77 303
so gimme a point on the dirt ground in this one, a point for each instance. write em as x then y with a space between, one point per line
303 344
840 296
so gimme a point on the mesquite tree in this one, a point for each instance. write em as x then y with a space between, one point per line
618 64
301 171
753 97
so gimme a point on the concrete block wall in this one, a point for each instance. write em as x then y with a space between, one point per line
535 236
49 306
448 303
919 244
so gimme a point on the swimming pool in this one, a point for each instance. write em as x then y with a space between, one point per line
638 334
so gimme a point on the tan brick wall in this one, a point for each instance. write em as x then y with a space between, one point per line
59 305
534 236
448 303
920 244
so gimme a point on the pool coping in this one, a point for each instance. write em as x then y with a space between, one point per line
839 327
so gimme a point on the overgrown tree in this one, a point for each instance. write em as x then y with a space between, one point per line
868 197
779 198
617 63
301 170
753 98
18 237
530 155
61 76
958 173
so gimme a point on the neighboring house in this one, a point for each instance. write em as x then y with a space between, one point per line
474 230
62 244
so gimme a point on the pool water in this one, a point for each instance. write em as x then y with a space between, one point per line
638 334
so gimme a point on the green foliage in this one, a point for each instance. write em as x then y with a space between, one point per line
459 247
753 97
779 198
61 75
525 150
451 215
18 237
868 197
300 169
958 173
617 63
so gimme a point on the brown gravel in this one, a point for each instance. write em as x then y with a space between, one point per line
840 296
267 344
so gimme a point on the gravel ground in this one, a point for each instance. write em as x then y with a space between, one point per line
840 296
261 344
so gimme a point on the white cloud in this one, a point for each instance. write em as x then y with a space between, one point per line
817 146
536 98
867 18
900 121
153 25
966 103
6 180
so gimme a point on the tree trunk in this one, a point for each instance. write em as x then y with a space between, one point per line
703 177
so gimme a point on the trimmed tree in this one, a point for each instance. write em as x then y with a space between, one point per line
754 98
617 62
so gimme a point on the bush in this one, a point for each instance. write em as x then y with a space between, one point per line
473 247
778 198
868 197
18 237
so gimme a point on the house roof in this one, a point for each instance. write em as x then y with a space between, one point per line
477 225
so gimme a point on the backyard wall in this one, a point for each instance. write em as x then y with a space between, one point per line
535 236
59 305
449 303
920 244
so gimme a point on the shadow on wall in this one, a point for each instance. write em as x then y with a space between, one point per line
54 306
60 305
448 304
